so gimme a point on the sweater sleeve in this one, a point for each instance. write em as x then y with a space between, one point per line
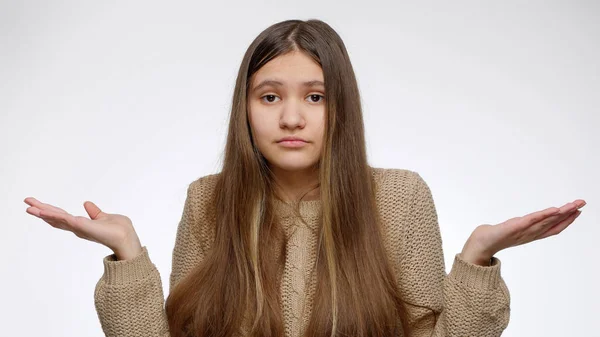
471 300
129 297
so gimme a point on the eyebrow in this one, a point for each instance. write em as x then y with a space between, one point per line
276 83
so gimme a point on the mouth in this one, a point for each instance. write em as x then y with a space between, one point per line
291 139
292 143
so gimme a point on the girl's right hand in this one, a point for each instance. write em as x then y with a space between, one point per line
115 231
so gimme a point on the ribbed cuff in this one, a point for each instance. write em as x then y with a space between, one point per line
475 276
119 272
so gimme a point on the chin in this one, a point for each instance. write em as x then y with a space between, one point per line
292 167
293 164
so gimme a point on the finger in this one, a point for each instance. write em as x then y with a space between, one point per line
536 229
59 220
68 223
534 224
542 220
536 217
92 210
36 211
559 227
572 206
33 211
36 203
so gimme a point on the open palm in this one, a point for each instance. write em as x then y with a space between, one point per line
112 230
487 240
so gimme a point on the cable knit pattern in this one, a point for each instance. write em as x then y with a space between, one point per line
469 301
299 276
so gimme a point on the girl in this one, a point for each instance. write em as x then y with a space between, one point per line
298 235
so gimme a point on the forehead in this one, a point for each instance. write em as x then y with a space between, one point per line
292 68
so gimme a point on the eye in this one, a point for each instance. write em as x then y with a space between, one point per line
270 98
316 96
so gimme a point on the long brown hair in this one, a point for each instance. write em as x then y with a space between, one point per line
356 293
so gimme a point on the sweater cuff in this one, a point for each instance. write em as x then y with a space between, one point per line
474 276
120 272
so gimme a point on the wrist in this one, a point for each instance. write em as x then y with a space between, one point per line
476 260
476 256
128 253
130 250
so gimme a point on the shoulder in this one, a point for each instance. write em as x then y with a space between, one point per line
401 195
397 183
200 196
408 213
405 218
204 185
199 212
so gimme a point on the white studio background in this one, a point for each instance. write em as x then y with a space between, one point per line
125 103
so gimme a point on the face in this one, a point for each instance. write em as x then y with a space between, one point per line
287 99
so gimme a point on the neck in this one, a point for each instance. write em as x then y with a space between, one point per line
297 185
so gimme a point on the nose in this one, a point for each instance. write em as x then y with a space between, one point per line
292 116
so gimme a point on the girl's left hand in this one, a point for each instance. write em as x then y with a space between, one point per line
487 240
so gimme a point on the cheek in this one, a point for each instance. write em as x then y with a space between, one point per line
319 122
260 127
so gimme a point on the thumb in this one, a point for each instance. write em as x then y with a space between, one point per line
92 210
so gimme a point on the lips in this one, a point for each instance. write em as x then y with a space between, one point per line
292 139
292 143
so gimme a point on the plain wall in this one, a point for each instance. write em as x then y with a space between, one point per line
125 103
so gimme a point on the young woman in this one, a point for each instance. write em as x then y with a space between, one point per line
298 235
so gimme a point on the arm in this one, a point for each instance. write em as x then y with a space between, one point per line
471 300
129 296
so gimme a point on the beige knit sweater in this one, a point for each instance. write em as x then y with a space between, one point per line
469 301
